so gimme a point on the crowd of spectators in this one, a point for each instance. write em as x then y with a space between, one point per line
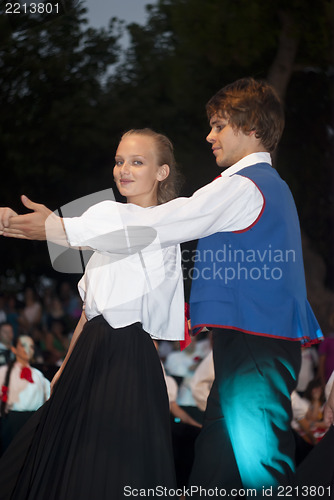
48 317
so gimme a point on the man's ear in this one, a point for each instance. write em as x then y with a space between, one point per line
163 172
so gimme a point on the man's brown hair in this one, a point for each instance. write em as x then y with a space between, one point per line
250 105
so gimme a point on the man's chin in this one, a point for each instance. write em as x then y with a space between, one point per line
220 163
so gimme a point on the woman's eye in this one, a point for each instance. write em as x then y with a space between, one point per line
137 162
118 163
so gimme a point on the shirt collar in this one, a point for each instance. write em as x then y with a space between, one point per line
246 161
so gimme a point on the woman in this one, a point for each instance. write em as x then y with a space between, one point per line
23 389
105 430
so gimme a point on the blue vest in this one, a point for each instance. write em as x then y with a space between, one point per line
253 280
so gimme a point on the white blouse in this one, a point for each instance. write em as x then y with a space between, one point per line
145 287
24 395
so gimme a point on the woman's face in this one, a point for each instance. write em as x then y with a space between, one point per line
24 350
136 170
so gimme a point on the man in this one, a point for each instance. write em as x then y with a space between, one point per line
248 287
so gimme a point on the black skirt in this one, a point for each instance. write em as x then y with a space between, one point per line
104 432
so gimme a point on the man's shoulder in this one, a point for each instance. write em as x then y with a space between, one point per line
259 172
261 166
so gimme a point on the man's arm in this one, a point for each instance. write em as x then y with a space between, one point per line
226 204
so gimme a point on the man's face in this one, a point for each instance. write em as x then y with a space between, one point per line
229 144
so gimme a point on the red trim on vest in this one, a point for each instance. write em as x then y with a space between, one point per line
187 338
198 328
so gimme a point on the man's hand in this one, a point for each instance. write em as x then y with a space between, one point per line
29 226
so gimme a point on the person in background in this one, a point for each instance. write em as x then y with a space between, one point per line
301 427
31 314
202 381
13 313
326 354
55 343
6 342
308 368
23 389
3 313
181 365
312 427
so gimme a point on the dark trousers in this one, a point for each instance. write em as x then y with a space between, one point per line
246 441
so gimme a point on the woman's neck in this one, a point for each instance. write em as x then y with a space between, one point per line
143 201
22 362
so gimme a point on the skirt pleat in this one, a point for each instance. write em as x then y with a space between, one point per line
105 427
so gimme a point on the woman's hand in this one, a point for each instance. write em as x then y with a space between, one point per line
41 224
5 214
29 226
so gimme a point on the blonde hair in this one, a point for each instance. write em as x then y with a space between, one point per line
168 189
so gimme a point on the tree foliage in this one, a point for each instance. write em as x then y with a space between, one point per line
54 138
50 80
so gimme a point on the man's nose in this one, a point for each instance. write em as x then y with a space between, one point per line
211 137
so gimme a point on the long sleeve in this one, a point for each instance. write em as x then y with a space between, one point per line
229 203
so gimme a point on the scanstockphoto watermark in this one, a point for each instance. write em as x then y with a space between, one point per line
228 264
188 492
199 491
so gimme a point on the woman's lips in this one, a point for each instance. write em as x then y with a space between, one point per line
125 181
